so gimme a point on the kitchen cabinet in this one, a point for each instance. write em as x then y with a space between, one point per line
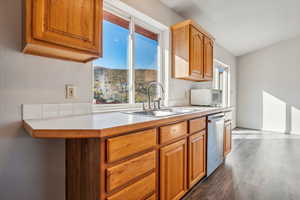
197 157
208 59
192 52
63 29
197 125
137 191
173 170
159 159
227 138
197 42
173 131
124 146
127 171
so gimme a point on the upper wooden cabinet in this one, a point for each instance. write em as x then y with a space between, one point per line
196 49
64 29
192 51
208 58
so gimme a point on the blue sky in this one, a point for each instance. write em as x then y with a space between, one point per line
115 44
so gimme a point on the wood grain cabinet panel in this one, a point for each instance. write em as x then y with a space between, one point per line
173 170
192 52
137 191
173 131
196 55
123 173
197 157
65 29
208 58
227 138
124 146
153 197
180 51
197 125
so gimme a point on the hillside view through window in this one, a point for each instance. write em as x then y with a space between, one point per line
112 71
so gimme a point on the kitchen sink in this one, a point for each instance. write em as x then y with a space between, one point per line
163 112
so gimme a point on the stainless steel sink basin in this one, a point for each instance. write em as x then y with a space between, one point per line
163 112
154 113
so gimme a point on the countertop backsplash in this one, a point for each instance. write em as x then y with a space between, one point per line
47 111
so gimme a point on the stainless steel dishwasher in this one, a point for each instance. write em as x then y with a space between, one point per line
215 139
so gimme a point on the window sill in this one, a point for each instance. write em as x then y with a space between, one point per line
100 108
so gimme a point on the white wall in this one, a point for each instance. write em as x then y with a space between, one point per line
32 168
268 88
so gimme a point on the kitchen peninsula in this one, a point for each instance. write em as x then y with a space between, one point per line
117 156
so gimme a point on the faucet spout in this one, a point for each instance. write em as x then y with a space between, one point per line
149 96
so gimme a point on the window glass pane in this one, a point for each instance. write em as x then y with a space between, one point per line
146 63
111 71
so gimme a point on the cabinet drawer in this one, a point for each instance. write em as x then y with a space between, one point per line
127 171
137 191
167 133
197 124
123 146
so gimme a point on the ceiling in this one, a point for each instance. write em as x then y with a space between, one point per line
243 26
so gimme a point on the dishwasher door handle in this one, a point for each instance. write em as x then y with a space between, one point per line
215 117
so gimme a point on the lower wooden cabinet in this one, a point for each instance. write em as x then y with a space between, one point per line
173 170
136 166
197 157
227 138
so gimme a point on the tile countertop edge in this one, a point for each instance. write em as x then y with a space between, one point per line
60 133
116 130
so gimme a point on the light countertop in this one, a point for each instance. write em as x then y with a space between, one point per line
105 124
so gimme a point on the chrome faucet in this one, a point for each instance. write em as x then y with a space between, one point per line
156 100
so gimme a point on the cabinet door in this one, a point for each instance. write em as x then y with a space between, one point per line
208 58
68 23
227 138
173 171
196 55
197 157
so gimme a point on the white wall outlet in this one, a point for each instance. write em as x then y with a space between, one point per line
71 91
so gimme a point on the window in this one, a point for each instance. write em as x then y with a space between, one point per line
221 81
130 61
146 63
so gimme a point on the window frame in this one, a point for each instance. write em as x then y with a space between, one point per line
226 81
136 18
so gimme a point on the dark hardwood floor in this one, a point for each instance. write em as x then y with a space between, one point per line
261 166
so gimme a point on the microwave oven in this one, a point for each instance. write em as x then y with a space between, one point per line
206 97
